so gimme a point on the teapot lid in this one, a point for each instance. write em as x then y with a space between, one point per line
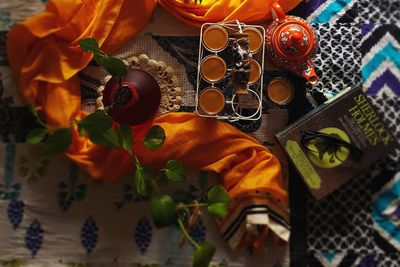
294 40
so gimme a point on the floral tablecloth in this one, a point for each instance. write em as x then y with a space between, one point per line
52 214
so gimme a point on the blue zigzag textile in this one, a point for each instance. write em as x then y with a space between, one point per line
380 50
329 11
359 224
386 212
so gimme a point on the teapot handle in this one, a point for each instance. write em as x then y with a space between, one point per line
277 12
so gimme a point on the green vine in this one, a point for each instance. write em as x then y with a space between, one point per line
100 128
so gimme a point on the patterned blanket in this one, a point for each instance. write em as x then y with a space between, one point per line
358 225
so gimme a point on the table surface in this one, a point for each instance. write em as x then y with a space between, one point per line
105 224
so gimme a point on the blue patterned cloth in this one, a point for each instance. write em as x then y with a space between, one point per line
358 225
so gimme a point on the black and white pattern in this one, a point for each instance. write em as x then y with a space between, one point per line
387 259
328 11
379 11
338 60
339 228
341 222
388 107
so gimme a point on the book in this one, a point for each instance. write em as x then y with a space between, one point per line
336 141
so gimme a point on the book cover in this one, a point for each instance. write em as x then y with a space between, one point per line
336 141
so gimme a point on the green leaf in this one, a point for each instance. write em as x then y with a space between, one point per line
115 66
175 171
98 56
96 123
36 136
218 209
218 194
57 142
107 138
81 131
203 254
125 135
33 110
142 177
163 211
89 45
218 201
154 138
35 114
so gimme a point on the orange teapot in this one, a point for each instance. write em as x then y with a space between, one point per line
292 43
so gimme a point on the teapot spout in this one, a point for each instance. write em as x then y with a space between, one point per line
310 75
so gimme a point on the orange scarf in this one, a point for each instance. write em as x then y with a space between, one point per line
250 11
45 57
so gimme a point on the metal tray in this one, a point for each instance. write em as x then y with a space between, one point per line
237 107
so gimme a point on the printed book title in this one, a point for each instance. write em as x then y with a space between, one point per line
365 116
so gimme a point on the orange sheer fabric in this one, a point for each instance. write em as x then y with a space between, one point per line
44 51
249 11
198 143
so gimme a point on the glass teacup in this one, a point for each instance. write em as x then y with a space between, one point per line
211 101
215 38
213 68
255 39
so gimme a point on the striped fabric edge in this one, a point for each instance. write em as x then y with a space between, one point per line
253 211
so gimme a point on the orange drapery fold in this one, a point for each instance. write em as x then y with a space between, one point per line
45 58
249 11
197 143
44 51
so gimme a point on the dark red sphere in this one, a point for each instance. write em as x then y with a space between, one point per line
137 102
